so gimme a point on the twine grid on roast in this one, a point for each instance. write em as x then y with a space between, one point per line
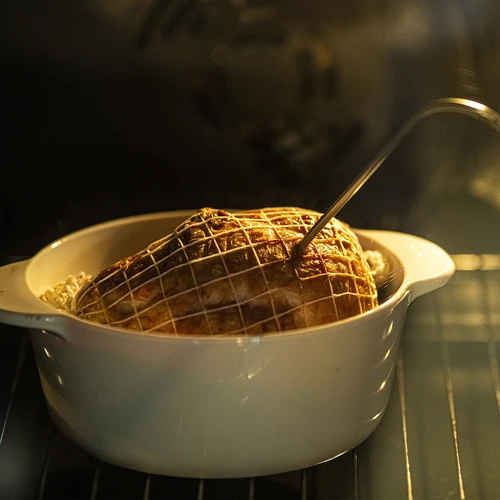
232 273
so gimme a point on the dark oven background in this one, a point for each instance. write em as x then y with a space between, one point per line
117 108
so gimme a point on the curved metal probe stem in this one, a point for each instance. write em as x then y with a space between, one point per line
443 105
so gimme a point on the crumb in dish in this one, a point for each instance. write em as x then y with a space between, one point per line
62 295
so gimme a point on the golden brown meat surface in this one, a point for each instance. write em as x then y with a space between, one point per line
230 273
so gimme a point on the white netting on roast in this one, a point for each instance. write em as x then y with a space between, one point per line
231 273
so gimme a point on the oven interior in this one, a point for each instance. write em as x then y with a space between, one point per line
118 108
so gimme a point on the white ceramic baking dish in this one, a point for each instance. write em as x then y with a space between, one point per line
197 406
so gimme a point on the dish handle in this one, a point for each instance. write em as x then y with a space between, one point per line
426 265
18 305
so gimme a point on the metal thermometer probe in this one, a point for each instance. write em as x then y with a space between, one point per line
443 105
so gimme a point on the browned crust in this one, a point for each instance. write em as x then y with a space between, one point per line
231 273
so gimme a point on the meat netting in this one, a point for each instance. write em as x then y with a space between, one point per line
232 274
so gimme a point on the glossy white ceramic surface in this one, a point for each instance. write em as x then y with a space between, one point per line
197 406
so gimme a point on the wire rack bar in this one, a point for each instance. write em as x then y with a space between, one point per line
43 482
251 489
21 358
445 353
95 482
201 490
404 422
303 485
147 487
355 475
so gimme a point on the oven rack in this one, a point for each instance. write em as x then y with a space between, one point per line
439 438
